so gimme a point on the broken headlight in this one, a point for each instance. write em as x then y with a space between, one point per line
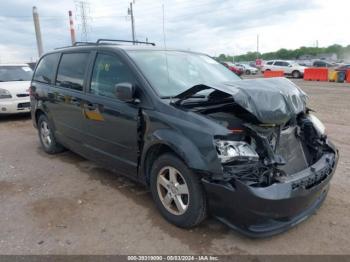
320 128
229 151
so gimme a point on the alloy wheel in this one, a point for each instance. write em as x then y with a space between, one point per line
173 190
45 134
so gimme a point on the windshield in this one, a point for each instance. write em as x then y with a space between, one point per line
173 72
15 73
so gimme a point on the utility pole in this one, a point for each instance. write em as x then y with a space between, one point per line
164 37
39 40
131 13
257 46
71 27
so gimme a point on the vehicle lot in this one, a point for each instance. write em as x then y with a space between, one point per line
65 204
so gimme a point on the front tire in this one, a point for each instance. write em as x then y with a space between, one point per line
247 72
46 136
177 192
296 74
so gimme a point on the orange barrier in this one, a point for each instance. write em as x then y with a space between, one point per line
316 74
348 76
268 74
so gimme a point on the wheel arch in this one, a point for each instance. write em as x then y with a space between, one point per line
152 153
166 141
38 113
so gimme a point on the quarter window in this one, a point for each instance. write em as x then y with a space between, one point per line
71 70
46 69
108 71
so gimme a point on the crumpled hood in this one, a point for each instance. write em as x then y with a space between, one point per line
270 100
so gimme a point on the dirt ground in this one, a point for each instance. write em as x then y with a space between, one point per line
65 204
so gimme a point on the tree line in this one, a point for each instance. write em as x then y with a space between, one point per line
343 52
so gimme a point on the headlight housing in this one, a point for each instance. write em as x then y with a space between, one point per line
229 151
4 94
318 125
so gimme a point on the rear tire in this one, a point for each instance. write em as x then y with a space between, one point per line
174 185
46 136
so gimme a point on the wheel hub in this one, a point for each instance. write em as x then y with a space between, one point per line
173 190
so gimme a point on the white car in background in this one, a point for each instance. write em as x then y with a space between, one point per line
288 67
247 69
14 88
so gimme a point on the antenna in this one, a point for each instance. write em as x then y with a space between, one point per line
83 14
164 38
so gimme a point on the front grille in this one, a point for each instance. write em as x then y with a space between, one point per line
22 95
314 179
23 105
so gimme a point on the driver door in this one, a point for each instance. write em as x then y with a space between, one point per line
110 125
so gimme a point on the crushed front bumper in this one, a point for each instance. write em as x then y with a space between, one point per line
266 211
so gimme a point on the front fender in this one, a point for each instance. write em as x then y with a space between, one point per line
205 162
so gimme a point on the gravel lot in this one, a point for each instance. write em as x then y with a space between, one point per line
65 204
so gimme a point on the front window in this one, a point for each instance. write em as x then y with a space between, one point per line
109 71
15 73
173 72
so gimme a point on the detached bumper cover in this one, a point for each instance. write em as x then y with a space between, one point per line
266 211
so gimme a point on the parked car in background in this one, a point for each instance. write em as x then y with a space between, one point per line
247 69
14 88
321 63
343 68
238 71
288 67
201 139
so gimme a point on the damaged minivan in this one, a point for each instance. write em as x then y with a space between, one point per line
248 152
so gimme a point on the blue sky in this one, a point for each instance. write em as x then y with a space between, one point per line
208 26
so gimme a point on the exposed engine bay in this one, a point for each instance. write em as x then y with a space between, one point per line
260 152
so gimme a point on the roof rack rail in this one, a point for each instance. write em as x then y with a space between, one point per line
76 44
100 41
83 43
124 41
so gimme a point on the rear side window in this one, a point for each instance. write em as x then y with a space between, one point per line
281 63
269 63
46 69
108 71
71 70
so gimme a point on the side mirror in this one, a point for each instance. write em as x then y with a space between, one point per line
125 92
